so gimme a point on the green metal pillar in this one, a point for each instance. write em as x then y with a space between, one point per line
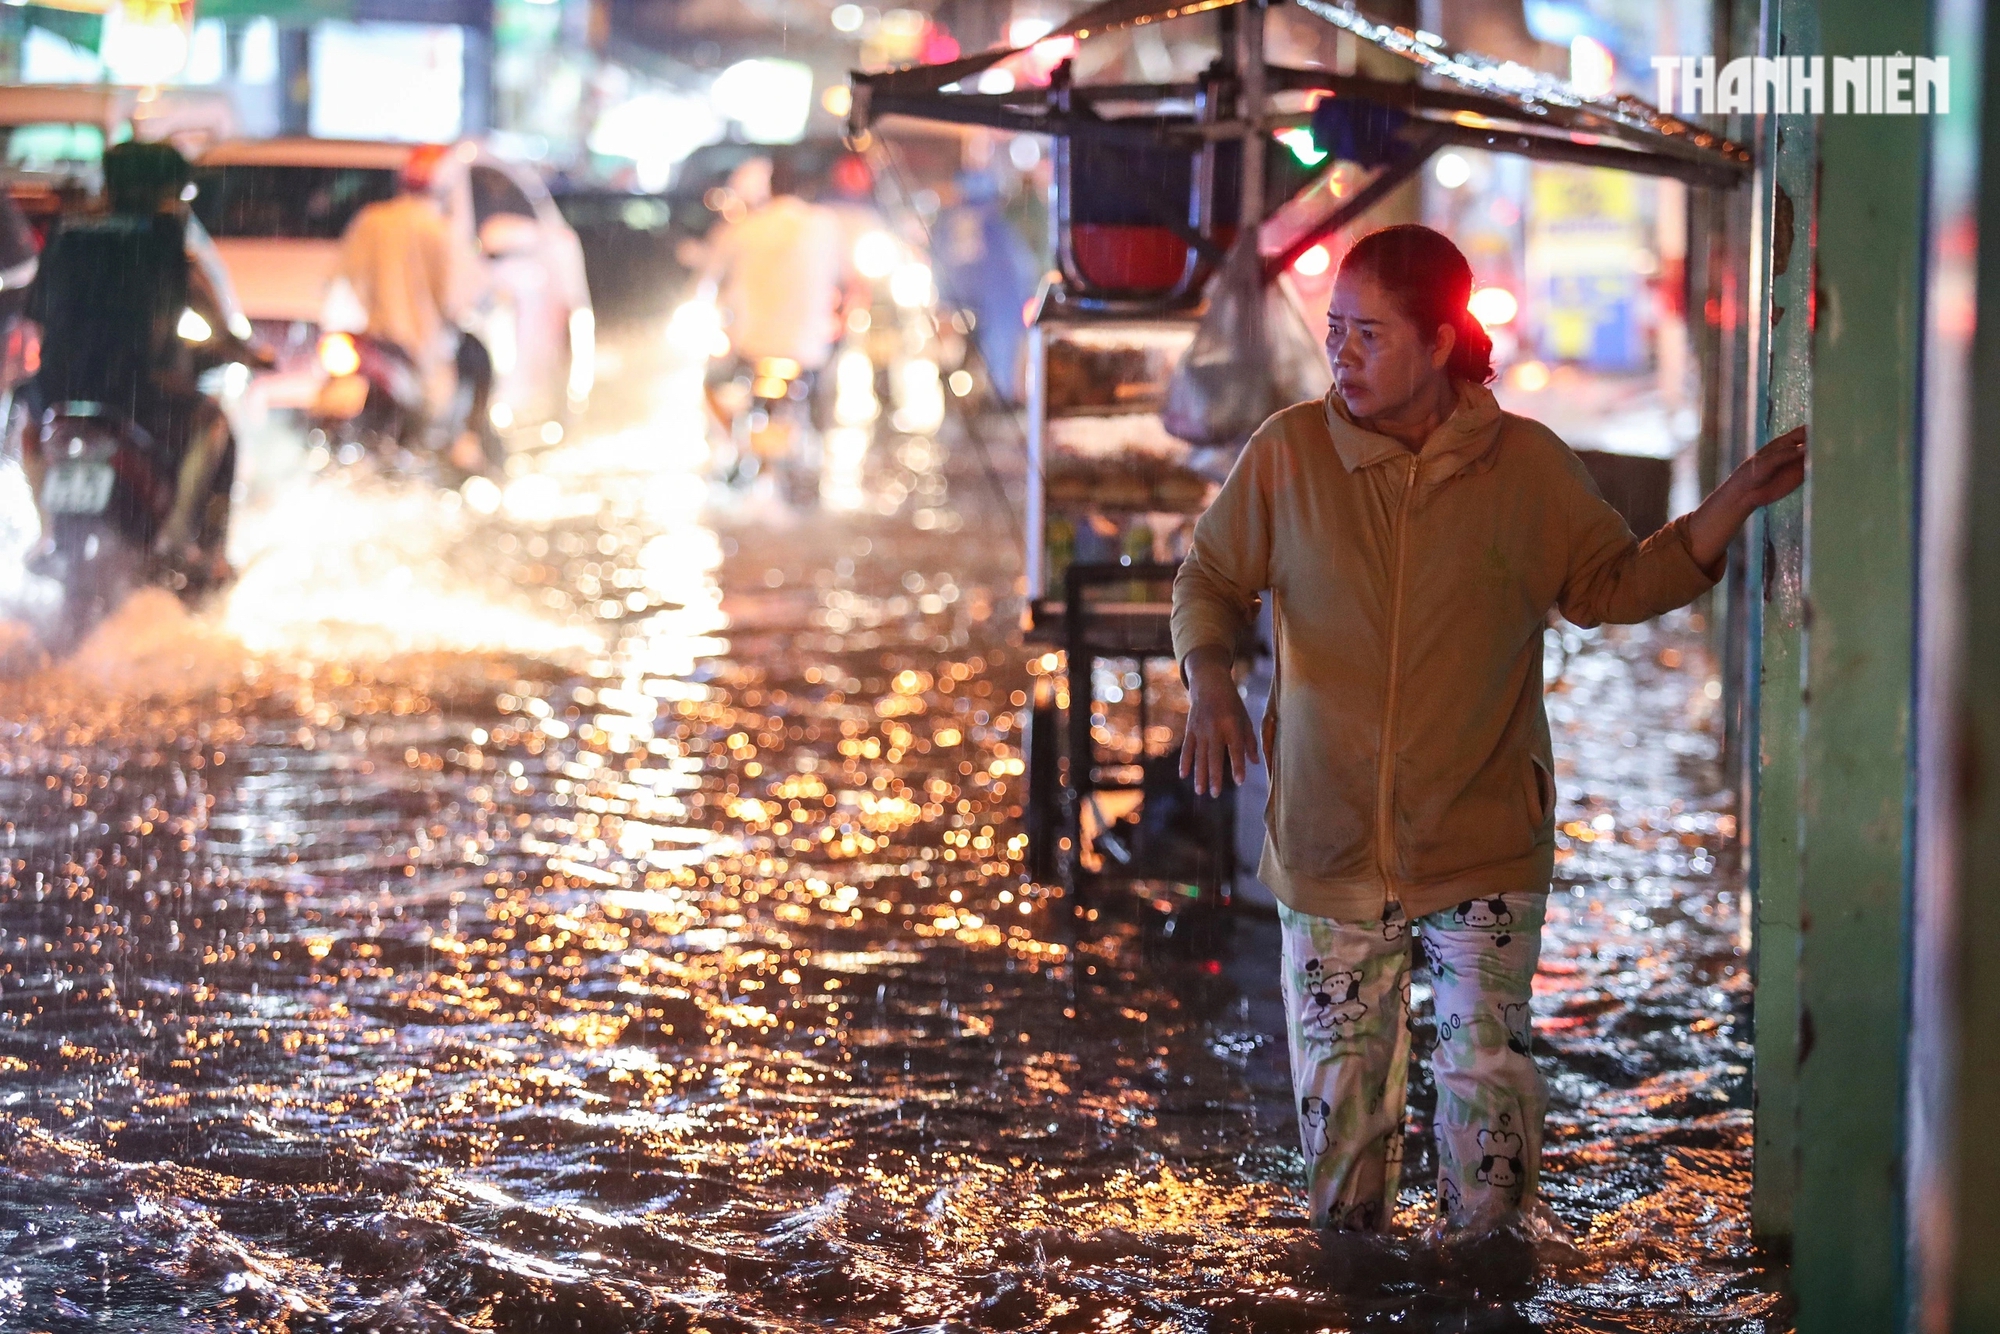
1788 163
1955 1052
1849 1223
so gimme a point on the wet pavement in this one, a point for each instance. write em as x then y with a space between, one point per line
604 913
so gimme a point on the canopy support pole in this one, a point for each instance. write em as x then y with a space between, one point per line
1250 62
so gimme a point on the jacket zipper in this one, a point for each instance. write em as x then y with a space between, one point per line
1385 777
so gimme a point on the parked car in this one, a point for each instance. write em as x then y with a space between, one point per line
278 208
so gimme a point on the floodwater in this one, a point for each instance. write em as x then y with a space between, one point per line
603 913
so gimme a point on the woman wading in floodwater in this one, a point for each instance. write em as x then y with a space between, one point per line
1413 538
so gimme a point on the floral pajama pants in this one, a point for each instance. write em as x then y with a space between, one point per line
1347 1008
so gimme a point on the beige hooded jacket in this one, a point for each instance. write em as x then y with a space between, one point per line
1408 746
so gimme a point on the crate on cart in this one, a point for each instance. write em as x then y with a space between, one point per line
1107 484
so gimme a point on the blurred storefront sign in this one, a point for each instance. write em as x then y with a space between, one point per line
1588 263
378 69
125 41
387 81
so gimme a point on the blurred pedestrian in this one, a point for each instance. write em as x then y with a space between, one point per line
1413 538
985 267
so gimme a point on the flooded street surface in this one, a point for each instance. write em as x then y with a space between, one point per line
605 914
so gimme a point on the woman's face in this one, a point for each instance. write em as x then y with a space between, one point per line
1381 360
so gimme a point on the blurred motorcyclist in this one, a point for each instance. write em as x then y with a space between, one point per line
413 274
777 272
122 309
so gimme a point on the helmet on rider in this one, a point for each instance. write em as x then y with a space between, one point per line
143 178
420 169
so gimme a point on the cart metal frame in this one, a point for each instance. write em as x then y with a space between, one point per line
1091 631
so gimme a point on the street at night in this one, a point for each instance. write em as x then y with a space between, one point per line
606 913
1182 666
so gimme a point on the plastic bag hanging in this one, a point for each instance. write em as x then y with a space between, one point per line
1252 354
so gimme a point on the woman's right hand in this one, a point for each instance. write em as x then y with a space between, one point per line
1218 727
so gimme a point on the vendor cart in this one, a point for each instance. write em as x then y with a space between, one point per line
1110 510
1153 183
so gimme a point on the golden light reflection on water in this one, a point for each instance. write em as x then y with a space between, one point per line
608 910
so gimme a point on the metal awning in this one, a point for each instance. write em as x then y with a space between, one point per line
1472 99
1457 98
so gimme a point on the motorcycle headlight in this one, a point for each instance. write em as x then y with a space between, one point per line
338 356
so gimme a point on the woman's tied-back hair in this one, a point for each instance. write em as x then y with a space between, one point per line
1430 280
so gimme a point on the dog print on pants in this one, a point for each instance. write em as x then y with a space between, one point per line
1333 998
1312 1125
1347 1007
